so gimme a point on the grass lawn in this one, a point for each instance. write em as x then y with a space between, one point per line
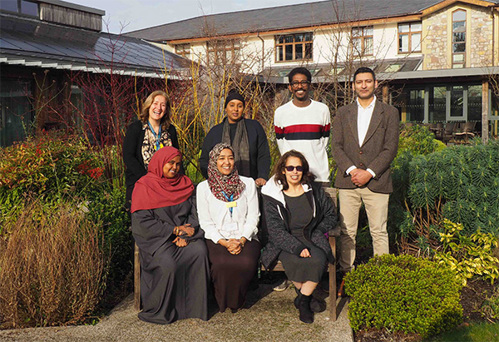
478 332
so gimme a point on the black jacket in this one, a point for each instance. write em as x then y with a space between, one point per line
132 153
258 149
277 219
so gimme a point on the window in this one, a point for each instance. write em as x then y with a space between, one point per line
458 39
293 47
409 37
183 50
223 51
20 6
362 41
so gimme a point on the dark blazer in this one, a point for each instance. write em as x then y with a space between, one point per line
377 151
258 149
132 154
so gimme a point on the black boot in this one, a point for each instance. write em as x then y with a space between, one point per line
316 305
306 315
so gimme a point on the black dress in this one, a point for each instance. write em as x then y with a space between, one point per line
297 268
174 280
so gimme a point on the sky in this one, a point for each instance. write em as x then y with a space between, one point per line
130 15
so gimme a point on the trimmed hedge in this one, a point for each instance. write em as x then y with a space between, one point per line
403 293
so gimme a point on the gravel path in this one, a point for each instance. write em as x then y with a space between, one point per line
270 316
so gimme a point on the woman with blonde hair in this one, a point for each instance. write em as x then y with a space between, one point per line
145 136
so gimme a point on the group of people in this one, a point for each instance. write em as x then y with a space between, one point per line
192 239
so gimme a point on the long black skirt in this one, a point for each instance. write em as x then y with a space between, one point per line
174 283
231 274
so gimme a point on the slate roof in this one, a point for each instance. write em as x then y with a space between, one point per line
283 17
32 42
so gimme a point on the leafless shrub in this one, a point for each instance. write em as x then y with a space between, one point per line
51 267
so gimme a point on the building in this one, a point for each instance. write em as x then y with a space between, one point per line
436 57
49 48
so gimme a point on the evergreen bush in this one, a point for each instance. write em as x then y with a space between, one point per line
405 294
459 183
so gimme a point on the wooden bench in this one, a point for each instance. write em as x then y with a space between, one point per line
333 234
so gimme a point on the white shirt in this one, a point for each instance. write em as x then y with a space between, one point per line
217 221
364 116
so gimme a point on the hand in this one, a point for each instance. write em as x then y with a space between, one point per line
186 229
234 246
179 242
305 253
260 182
360 177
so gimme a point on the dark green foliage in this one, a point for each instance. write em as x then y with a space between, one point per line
459 183
403 293
414 141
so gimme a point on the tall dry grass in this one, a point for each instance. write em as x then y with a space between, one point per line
51 268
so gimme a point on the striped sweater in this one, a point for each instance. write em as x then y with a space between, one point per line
305 129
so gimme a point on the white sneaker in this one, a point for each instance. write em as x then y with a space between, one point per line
283 286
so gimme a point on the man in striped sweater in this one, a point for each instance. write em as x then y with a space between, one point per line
303 124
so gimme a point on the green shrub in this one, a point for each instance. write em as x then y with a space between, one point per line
414 141
403 293
468 255
57 170
459 183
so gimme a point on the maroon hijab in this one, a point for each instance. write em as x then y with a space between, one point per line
154 190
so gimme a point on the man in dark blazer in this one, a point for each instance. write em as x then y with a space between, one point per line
364 141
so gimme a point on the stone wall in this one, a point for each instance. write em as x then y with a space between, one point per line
437 38
480 39
434 45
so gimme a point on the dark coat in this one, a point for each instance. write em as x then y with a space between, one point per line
258 149
277 217
377 151
132 154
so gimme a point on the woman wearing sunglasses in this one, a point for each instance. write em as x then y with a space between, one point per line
298 214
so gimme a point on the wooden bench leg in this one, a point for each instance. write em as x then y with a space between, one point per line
332 281
136 278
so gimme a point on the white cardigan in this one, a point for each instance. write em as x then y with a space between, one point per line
215 218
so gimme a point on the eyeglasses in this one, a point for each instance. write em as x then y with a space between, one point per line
290 168
295 84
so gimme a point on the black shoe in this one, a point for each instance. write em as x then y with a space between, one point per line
306 315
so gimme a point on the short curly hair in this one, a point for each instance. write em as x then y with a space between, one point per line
144 113
307 177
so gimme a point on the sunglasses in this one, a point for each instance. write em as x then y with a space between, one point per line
290 168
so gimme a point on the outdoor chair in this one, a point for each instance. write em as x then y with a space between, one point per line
437 129
448 132
465 132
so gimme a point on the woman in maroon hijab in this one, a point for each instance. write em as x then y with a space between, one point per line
173 256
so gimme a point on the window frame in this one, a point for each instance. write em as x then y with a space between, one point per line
223 46
362 37
304 43
183 50
409 33
453 42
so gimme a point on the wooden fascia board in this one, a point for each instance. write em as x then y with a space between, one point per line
447 3
400 19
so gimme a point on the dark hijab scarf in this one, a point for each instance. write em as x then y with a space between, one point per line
154 190
240 141
219 183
